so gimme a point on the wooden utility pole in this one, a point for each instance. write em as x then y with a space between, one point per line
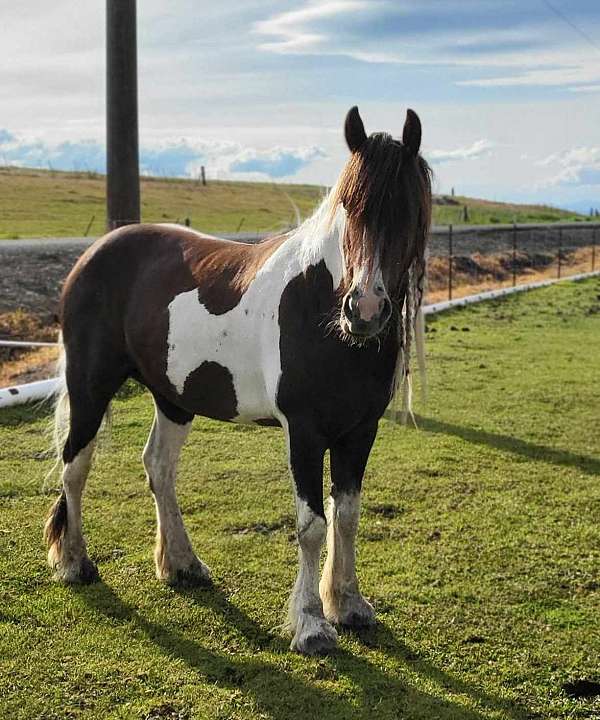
122 161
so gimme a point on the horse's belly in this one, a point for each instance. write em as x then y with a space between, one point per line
222 366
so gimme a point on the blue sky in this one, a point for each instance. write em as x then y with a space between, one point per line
508 92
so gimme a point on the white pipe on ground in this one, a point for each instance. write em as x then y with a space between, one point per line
26 343
501 292
43 388
30 392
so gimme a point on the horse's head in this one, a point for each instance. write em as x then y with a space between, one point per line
385 189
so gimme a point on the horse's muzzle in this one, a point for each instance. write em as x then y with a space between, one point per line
365 316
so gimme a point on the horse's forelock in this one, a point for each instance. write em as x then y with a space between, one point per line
386 193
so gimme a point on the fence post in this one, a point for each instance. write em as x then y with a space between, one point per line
559 251
89 225
514 255
203 174
450 256
594 249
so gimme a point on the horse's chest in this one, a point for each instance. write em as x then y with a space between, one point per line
321 376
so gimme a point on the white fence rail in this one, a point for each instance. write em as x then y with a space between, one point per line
26 344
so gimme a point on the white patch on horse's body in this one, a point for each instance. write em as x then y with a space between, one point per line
173 555
342 601
245 339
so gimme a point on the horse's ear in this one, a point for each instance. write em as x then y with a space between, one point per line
354 129
411 135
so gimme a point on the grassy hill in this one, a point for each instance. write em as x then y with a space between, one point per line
48 203
486 212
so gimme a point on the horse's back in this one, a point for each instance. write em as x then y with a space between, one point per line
145 266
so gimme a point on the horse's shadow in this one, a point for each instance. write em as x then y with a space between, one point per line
283 694
533 451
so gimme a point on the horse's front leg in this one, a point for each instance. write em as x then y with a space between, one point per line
342 601
312 633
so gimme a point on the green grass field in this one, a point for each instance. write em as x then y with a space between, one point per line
479 545
42 203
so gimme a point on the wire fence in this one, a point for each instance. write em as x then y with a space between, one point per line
463 259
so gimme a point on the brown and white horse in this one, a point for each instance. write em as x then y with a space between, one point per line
309 331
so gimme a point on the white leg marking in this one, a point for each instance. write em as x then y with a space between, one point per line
68 556
174 557
312 633
342 602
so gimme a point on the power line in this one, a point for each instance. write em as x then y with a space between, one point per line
571 24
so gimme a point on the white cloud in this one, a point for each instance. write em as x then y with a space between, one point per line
573 71
478 149
182 158
576 167
585 88
560 61
277 162
288 27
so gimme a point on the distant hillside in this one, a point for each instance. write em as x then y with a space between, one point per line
46 203
485 212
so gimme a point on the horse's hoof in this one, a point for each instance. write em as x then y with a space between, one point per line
195 575
319 639
358 621
88 572
192 579
84 572
361 618
356 613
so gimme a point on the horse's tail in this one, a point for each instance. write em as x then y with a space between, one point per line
56 522
59 427
420 348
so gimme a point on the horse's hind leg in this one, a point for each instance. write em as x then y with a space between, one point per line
175 560
95 370
67 552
